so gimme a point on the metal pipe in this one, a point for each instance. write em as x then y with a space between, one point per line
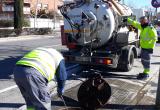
117 7
64 102
35 17
54 15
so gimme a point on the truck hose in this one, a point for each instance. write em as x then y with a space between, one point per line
117 7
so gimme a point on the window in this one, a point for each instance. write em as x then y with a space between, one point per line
45 6
39 5
26 10
8 8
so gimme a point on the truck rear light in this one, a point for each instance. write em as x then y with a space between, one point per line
105 61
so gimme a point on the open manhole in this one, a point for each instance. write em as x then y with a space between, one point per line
94 93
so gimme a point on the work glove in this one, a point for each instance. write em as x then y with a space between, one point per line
125 19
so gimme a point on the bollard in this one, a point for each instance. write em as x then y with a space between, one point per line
158 93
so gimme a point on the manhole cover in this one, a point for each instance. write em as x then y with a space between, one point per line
94 93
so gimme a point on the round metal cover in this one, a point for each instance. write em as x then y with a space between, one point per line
94 93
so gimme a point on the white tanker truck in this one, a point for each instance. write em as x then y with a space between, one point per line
95 34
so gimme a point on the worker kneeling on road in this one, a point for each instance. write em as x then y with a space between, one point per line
148 38
33 72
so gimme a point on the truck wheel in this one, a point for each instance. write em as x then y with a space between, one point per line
126 61
130 62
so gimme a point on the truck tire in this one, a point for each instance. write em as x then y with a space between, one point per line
126 61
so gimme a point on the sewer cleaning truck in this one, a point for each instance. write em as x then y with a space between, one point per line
95 34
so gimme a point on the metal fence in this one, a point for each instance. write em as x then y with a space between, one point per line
45 22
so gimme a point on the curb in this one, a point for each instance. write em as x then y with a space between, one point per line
27 37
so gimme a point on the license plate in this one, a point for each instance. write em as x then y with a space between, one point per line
85 59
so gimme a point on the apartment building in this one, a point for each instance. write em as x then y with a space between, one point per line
7 7
49 5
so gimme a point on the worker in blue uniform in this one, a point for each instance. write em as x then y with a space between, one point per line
33 72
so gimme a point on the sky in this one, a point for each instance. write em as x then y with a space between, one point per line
139 3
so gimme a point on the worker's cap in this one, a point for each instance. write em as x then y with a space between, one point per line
144 19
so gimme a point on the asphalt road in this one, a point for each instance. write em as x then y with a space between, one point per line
11 51
128 93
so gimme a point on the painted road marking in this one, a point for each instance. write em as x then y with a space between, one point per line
53 45
15 86
7 89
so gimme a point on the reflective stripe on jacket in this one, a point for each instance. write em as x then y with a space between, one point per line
45 60
148 35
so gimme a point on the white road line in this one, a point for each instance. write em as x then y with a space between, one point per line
53 45
7 89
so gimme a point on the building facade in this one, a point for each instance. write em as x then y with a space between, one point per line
7 7
48 5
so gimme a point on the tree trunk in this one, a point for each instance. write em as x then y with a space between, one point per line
18 16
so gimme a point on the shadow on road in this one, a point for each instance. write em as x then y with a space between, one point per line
155 55
11 105
73 103
106 73
68 101
156 63
7 66
129 107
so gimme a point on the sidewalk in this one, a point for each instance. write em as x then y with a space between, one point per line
25 37
128 93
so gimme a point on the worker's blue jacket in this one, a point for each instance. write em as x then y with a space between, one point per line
47 61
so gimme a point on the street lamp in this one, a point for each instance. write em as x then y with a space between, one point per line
54 15
35 17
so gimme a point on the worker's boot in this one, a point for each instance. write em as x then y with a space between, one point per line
142 76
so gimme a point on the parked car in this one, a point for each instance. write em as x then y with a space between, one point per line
158 32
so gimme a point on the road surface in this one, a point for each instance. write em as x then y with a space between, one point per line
12 50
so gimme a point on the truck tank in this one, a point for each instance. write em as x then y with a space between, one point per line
93 22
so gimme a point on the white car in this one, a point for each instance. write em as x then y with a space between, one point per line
158 32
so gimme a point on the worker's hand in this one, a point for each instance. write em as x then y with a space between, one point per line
125 19
59 95
60 92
